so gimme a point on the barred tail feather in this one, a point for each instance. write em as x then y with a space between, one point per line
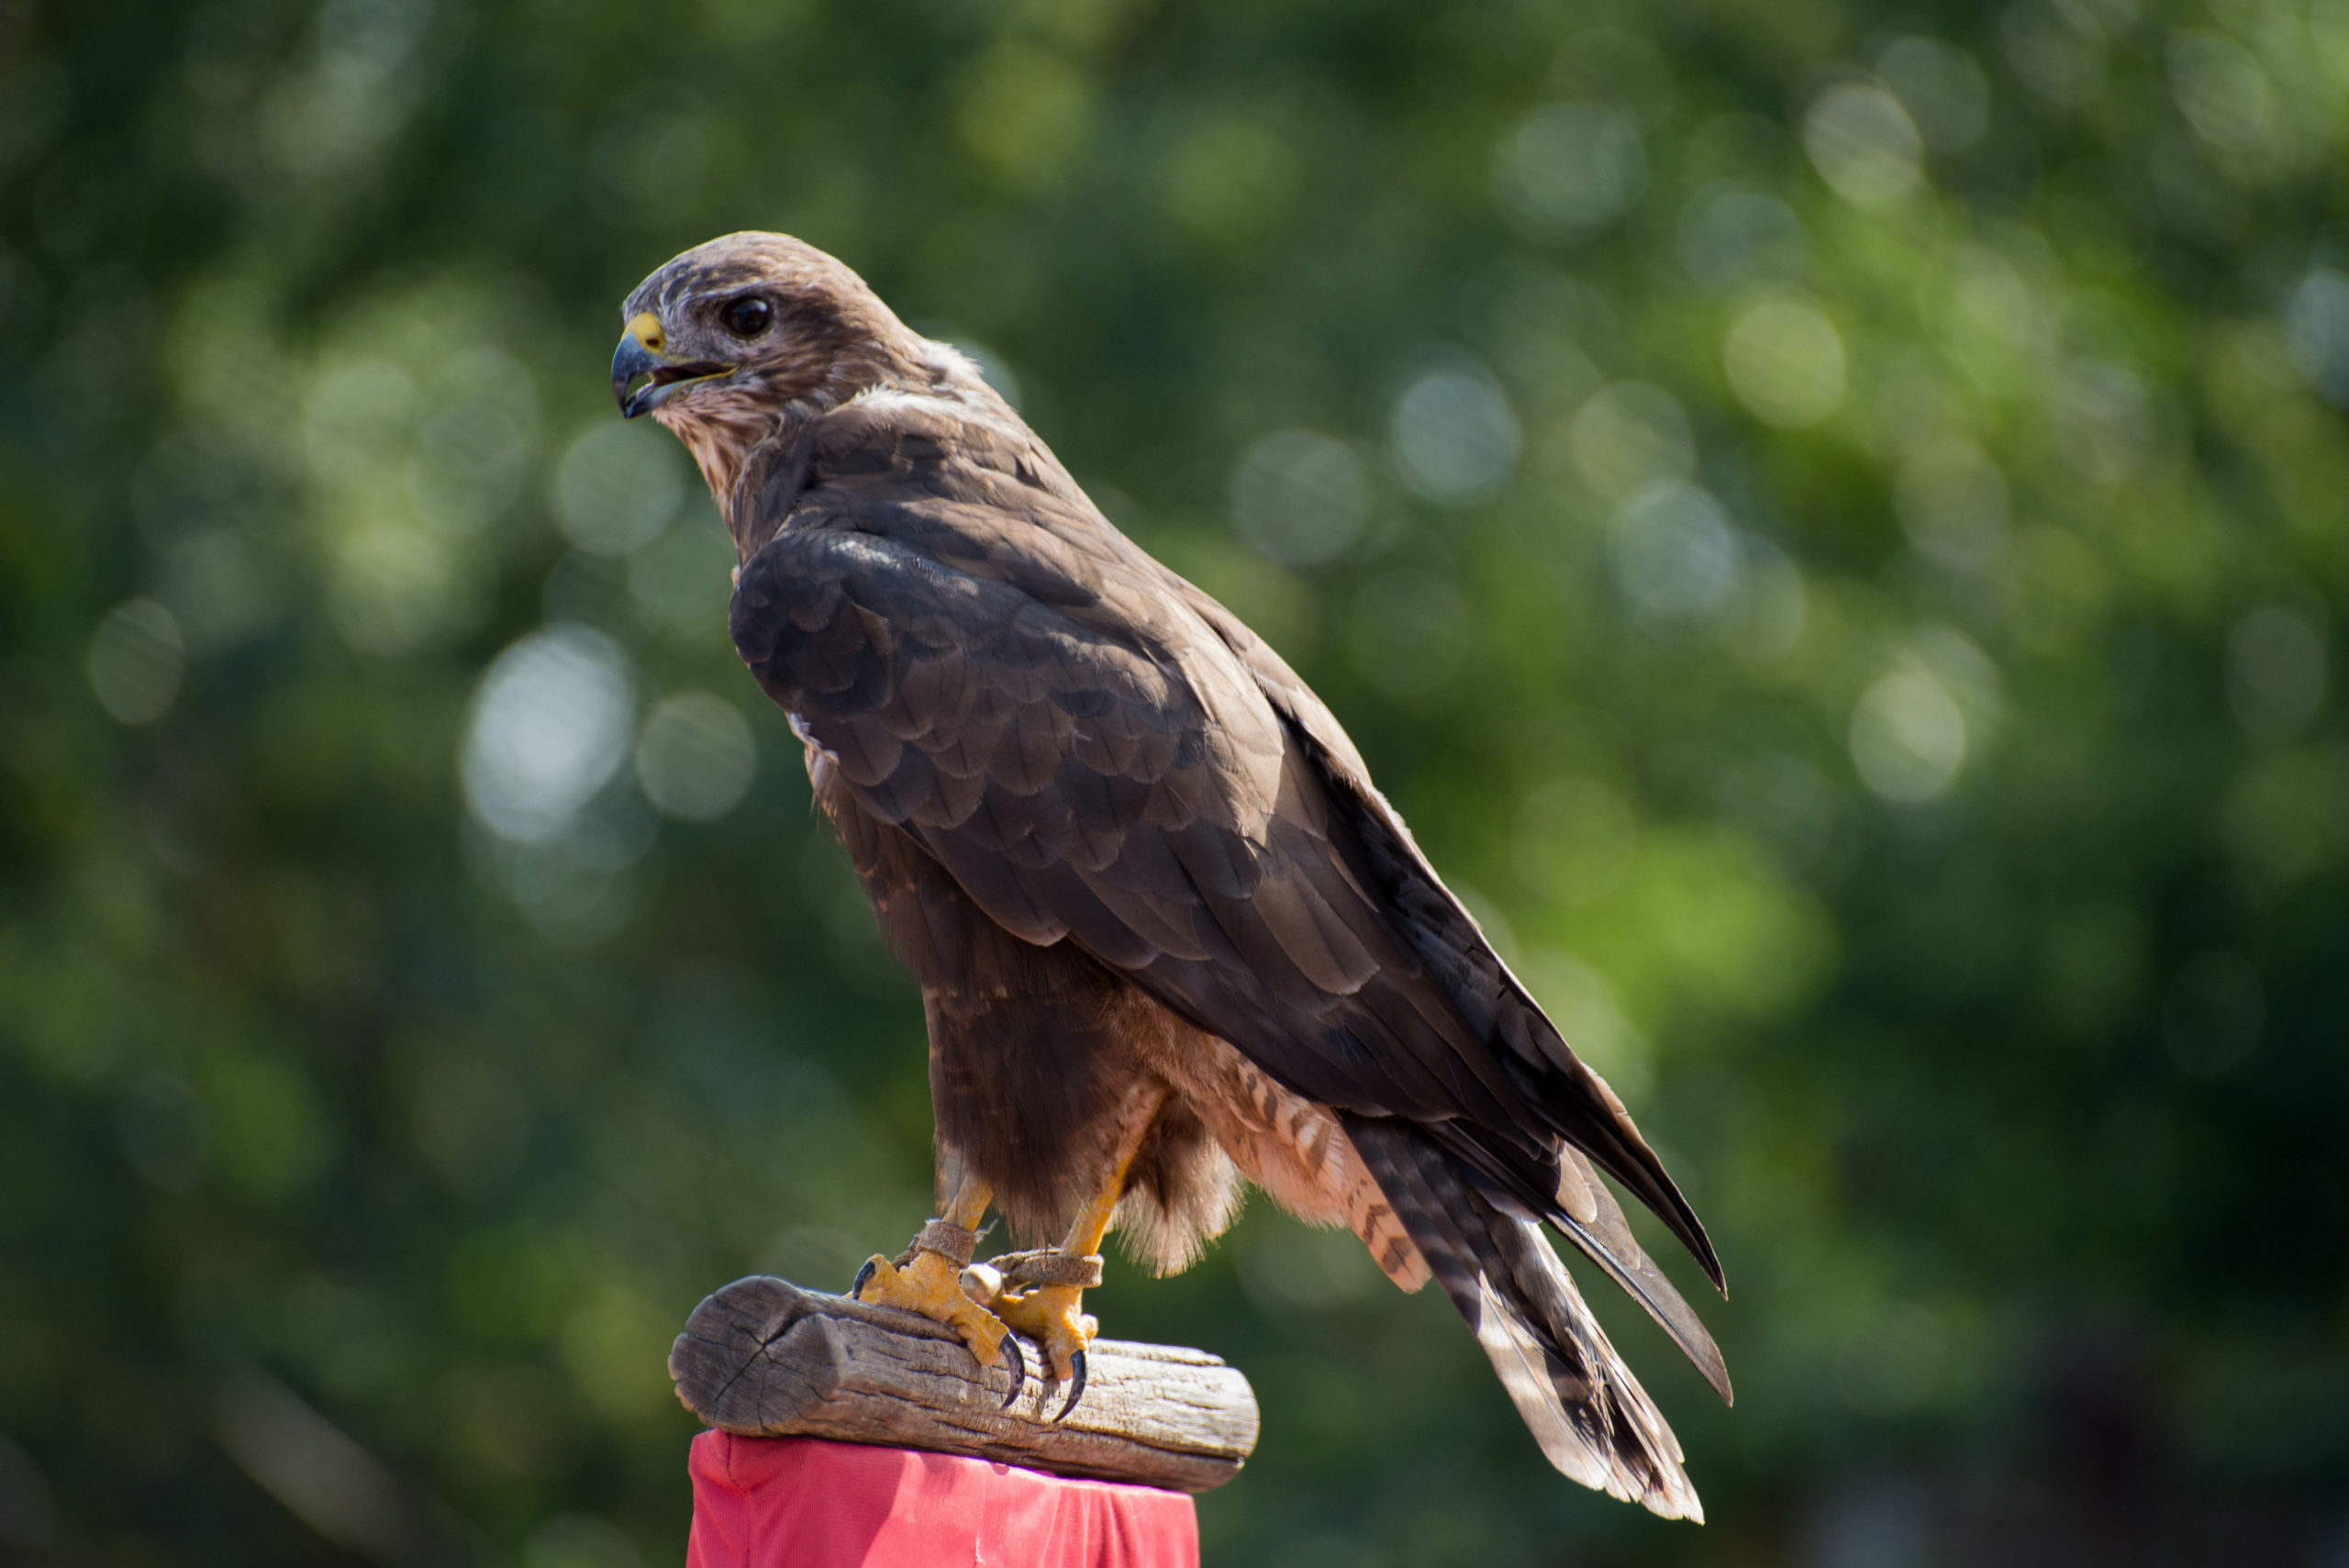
1585 1409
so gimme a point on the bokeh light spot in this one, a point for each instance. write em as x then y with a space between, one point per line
1672 552
2058 52
1617 67
1301 497
2286 814
1230 178
2276 671
137 660
472 462
395 587
1907 737
2316 326
2104 417
1569 171
358 411
1024 113
1864 145
1730 236
696 757
617 487
1942 89
1453 436
1785 361
572 898
549 726
2223 92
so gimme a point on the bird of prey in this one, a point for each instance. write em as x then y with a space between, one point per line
1168 933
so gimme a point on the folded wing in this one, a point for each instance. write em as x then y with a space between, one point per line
1100 753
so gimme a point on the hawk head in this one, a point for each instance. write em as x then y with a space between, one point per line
722 343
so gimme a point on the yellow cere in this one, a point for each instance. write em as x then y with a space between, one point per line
645 327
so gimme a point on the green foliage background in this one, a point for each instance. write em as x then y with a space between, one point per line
1835 542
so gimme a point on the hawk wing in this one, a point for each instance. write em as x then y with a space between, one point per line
1098 753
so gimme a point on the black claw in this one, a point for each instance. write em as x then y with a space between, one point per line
1077 1389
1019 1369
856 1291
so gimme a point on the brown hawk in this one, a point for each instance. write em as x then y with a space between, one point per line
1167 931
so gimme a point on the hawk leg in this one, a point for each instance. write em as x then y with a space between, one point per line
1051 1309
927 1277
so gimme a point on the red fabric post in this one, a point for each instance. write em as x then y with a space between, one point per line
806 1503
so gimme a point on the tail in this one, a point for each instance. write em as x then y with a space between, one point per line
1589 1414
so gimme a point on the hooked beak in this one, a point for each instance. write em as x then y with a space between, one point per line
639 354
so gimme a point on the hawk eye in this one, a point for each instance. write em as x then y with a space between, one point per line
747 317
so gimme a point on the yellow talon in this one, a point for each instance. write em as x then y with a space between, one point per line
1053 1317
931 1284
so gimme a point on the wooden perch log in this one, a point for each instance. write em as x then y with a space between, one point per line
763 1358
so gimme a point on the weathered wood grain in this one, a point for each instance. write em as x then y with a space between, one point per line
764 1358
